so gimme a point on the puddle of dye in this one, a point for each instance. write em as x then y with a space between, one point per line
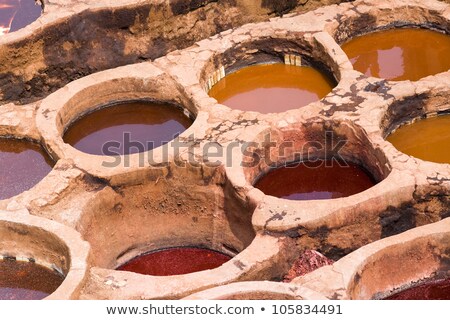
27 281
271 88
400 54
16 14
133 127
315 181
175 261
435 290
22 165
427 139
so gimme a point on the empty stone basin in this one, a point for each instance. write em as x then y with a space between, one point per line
175 261
21 280
126 128
22 165
429 290
400 54
271 88
16 14
427 139
315 180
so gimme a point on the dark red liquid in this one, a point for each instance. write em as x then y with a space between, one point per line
175 261
22 165
271 88
400 54
434 290
315 181
16 14
127 128
27 281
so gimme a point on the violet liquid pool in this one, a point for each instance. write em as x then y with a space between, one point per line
315 180
16 14
22 165
27 281
127 128
175 261
271 88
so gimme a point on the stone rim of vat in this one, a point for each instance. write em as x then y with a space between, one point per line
21 226
346 279
202 66
261 259
140 82
257 290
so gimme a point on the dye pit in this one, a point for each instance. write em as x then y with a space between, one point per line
315 180
22 165
400 54
175 261
127 128
27 281
271 88
17 14
433 290
426 139
86 55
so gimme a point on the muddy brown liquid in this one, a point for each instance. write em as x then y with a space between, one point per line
271 88
427 139
127 128
434 290
175 261
27 281
16 14
400 54
22 165
315 181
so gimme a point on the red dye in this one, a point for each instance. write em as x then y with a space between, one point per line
175 261
315 181
309 261
433 290
27 281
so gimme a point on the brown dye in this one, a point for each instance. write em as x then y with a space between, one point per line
400 54
27 281
315 181
175 261
434 290
127 128
16 14
271 88
427 139
22 165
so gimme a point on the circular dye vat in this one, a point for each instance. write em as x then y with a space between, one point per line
400 54
315 180
434 290
127 128
175 261
27 281
22 165
271 88
16 14
427 139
